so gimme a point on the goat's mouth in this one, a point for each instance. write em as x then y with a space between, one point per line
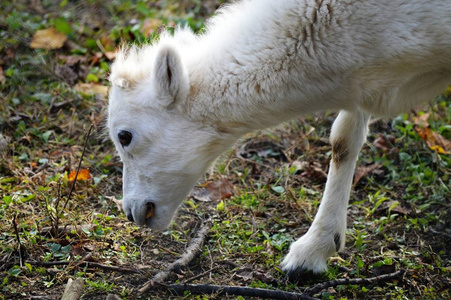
150 207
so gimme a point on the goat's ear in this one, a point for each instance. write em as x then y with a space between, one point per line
170 78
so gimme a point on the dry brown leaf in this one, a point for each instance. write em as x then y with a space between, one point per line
150 26
48 39
313 171
395 206
83 175
116 201
363 171
92 88
214 190
421 120
384 142
2 76
434 140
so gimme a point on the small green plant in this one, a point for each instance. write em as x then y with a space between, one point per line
100 286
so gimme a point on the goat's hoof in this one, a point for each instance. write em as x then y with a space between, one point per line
301 275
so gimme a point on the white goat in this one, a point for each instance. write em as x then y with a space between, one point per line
179 103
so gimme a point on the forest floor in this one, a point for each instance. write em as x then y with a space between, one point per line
261 196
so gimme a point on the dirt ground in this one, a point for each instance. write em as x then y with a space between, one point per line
261 196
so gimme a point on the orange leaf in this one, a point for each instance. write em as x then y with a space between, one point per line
48 39
434 140
82 175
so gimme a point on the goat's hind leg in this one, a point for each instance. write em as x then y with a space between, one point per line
326 235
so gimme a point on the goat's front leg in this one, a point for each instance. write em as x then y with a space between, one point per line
326 235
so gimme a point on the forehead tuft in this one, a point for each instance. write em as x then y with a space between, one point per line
132 65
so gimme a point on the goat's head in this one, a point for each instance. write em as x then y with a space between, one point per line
163 150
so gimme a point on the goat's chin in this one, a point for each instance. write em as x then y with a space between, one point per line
160 222
156 224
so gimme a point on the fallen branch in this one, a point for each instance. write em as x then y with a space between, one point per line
73 289
194 247
346 281
221 290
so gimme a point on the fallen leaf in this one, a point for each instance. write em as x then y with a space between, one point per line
421 120
92 88
66 73
150 26
118 202
434 140
385 143
2 76
3 142
313 171
395 206
363 171
248 273
48 39
214 190
384 269
83 175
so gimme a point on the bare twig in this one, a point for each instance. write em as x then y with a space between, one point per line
220 290
194 247
199 275
54 107
446 235
55 219
345 281
73 289
20 247
79 166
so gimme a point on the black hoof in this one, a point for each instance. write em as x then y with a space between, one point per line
301 276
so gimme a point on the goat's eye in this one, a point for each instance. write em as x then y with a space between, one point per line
125 137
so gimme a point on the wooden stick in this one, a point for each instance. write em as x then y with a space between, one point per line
345 281
73 289
194 247
221 290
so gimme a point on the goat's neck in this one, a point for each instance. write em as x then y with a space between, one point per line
235 103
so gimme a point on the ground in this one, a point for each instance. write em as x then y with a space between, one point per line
261 196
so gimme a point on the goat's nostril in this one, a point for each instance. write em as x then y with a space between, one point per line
150 210
130 217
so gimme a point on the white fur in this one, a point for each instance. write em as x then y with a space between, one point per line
188 98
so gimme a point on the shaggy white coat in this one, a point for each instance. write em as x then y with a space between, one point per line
187 98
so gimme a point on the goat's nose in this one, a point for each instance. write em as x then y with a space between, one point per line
150 210
130 217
